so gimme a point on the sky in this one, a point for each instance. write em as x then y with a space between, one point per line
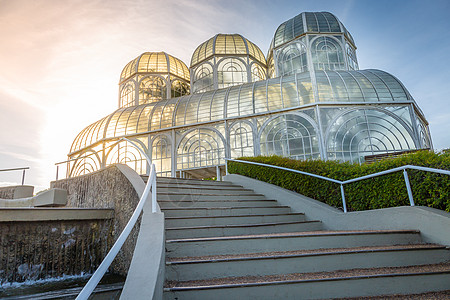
60 61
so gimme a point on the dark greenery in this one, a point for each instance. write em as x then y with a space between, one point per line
429 189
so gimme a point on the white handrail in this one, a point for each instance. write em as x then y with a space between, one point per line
402 168
101 270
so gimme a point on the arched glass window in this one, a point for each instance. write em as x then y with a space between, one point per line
291 136
200 148
258 72
203 79
241 140
327 54
152 89
292 59
179 88
357 133
161 155
125 153
127 95
231 71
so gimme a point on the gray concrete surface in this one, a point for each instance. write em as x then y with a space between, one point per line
433 224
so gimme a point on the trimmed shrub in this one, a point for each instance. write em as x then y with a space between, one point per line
429 189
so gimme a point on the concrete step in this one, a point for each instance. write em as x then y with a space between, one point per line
205 191
189 221
318 260
190 181
322 285
224 211
288 242
198 186
241 229
210 196
216 203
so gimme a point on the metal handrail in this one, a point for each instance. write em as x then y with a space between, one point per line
101 270
17 169
341 183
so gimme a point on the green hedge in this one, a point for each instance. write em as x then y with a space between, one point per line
429 189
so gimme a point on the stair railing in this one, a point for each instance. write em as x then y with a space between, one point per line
101 270
17 169
341 183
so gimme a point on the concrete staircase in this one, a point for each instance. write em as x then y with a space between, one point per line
225 242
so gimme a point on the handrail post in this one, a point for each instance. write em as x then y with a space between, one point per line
218 176
226 166
408 188
344 204
154 191
23 177
57 170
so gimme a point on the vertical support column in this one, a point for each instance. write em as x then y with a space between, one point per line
344 204
218 175
23 177
57 170
154 191
321 135
173 157
408 188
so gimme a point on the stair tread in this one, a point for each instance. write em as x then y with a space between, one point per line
219 200
224 208
241 225
443 295
233 216
298 253
294 234
307 277
205 194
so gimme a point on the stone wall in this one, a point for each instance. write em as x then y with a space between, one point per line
7 192
107 188
41 249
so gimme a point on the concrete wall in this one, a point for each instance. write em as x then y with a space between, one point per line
433 224
16 192
42 243
107 188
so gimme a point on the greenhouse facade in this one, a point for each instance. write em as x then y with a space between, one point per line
307 100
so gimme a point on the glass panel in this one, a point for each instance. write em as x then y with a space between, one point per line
274 94
231 71
260 96
289 90
152 89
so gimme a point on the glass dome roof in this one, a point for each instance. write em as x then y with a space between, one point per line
308 22
155 62
364 86
227 44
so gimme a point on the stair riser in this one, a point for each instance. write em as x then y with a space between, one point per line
196 197
361 287
198 186
232 211
195 182
258 245
193 204
319 263
218 192
186 222
230 231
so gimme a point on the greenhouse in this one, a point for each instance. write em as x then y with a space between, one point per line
308 100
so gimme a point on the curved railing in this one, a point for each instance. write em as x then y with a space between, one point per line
344 205
101 270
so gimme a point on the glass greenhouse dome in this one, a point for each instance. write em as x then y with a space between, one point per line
309 101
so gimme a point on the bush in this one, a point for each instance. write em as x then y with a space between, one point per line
429 189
